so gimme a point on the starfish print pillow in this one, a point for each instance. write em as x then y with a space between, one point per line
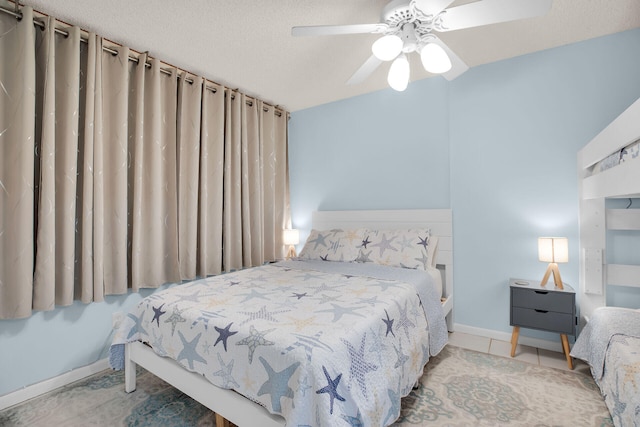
407 248
333 245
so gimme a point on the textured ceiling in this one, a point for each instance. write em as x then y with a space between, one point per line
247 44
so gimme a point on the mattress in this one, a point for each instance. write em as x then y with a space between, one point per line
320 343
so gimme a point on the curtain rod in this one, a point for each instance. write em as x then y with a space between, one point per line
18 15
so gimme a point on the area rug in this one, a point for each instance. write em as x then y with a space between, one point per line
466 388
460 388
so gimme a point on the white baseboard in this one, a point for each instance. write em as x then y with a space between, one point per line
37 389
506 336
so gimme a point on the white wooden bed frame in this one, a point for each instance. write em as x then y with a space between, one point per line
622 181
230 406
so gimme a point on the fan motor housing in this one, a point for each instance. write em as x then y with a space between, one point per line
396 13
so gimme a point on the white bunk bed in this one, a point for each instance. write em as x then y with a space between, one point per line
230 406
609 167
621 181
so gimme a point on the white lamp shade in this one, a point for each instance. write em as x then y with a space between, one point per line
553 249
434 59
291 237
387 47
398 77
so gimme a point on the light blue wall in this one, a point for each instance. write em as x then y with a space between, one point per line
51 343
371 152
516 127
498 145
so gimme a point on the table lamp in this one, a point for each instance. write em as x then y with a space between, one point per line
291 237
553 250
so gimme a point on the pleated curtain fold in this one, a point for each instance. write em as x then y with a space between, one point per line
211 184
17 195
117 176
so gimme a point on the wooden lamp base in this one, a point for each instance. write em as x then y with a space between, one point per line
291 253
552 268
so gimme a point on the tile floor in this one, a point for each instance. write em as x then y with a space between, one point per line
536 356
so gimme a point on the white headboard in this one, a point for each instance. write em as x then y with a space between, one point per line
438 220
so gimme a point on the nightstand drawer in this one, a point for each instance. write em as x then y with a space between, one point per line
542 300
547 320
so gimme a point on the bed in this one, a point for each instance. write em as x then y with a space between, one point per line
609 340
306 342
610 344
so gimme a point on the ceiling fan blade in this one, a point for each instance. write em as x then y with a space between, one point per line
432 7
365 70
458 66
487 12
330 30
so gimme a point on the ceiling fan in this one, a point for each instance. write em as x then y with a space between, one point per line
409 25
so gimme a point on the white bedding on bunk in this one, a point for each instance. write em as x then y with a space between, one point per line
628 153
321 343
610 344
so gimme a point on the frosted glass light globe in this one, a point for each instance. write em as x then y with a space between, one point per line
399 71
434 59
387 47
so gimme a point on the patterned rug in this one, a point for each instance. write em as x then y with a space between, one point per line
460 388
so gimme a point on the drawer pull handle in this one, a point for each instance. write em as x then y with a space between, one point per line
541 292
541 311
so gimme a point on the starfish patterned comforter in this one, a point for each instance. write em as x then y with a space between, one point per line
610 343
320 343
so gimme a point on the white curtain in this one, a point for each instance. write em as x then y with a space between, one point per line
117 175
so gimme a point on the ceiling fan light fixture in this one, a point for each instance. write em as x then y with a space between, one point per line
399 71
387 47
434 59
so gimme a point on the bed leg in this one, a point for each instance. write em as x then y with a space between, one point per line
220 421
129 370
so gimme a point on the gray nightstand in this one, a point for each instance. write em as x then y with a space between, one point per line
542 307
